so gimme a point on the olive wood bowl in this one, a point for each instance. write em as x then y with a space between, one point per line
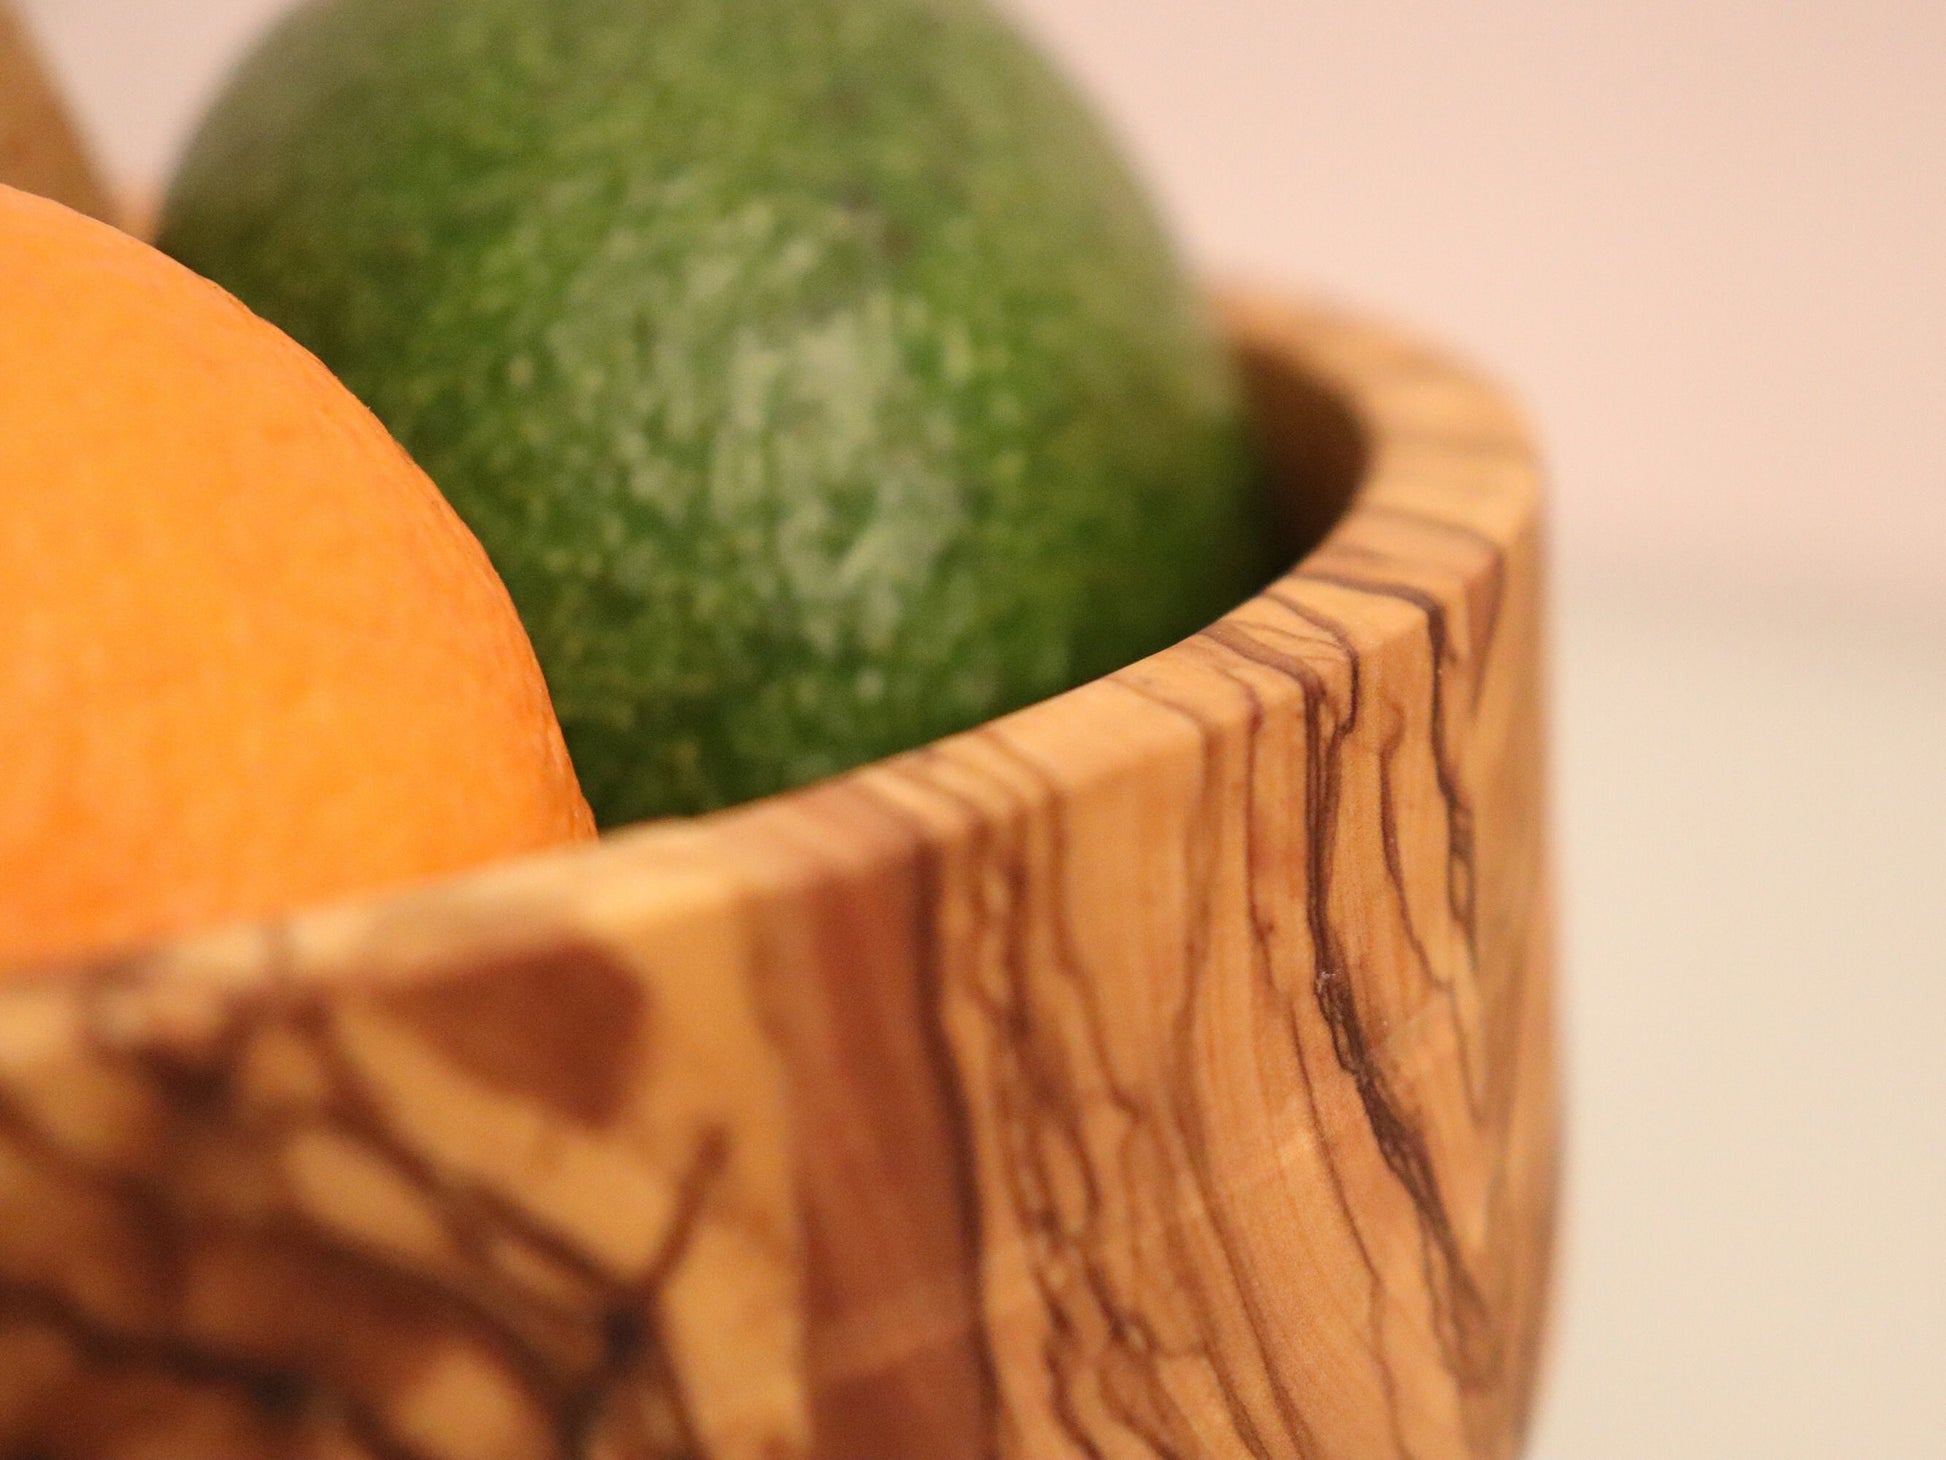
1164 1070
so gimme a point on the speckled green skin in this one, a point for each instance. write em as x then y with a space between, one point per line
811 369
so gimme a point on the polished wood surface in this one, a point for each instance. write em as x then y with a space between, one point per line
40 150
1165 1070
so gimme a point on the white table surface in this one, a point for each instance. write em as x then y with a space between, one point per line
1753 802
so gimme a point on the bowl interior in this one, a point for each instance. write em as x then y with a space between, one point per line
1312 446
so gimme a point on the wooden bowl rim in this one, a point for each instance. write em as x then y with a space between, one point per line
1441 452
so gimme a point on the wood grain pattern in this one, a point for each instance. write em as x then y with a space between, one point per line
40 150
1164 1071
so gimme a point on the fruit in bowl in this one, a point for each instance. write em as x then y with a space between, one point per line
250 657
814 372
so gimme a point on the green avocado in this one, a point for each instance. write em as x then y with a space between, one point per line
813 371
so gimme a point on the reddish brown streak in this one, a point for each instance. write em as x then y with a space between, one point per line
1460 876
1042 1095
616 1321
1307 675
1472 1353
936 1048
1486 623
1395 875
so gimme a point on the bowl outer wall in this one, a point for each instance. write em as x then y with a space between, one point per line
1164 1069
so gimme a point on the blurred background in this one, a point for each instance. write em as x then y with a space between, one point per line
1706 243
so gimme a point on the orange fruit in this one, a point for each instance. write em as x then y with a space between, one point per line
249 658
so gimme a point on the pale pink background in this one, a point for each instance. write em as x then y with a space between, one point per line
1706 241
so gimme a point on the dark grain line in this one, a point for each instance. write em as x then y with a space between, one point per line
1444 987
472 1217
634 1342
1197 1140
1470 1346
1310 681
946 1082
1264 971
1388 816
281 1393
199 1084
1460 874
936 1046
1485 623
1042 1096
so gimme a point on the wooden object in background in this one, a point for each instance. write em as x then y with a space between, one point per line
1165 1070
40 150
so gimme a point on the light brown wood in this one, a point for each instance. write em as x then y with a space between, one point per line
40 150
1166 1070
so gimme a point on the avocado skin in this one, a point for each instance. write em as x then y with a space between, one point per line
813 371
